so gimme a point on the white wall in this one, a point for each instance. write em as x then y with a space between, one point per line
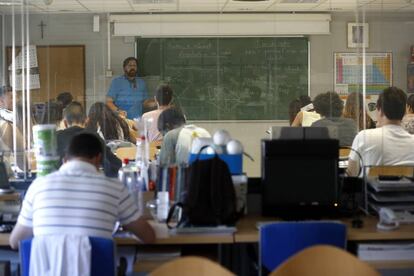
388 32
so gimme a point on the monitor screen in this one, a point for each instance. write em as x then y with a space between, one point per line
299 176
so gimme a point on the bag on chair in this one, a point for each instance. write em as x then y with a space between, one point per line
210 198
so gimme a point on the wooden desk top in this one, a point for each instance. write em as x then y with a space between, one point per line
164 237
247 231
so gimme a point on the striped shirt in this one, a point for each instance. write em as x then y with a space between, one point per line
76 200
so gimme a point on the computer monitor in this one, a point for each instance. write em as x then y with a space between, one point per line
299 177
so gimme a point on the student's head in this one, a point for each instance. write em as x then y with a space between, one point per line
52 113
164 95
391 103
100 115
64 98
354 109
130 66
410 104
73 114
304 100
87 147
6 97
169 119
149 105
328 104
354 106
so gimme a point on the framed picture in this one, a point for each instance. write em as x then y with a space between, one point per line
358 35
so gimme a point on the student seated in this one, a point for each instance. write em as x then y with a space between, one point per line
178 137
354 109
306 114
91 202
74 123
389 144
163 98
7 125
107 123
408 120
330 106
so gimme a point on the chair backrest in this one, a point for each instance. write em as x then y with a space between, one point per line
344 153
102 259
191 266
391 170
324 260
279 241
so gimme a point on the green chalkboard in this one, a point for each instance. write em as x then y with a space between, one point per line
228 78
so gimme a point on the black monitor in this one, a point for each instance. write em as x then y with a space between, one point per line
299 178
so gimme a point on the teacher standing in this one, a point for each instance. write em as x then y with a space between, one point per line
127 92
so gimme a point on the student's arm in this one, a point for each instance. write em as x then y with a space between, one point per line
142 230
353 168
354 158
19 233
298 120
110 103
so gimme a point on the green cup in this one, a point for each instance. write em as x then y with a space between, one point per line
45 142
47 164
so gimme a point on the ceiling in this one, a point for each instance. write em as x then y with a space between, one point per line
172 6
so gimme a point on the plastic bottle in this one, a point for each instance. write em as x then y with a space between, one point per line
123 170
129 175
140 155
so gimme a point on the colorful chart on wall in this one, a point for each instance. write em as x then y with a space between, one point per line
349 72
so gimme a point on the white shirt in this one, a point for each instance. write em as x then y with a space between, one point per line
153 133
387 145
76 200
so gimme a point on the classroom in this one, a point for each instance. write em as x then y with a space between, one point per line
236 70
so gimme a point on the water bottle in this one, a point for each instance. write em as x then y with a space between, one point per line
123 170
140 155
128 174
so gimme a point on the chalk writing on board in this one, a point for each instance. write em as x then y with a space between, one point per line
228 78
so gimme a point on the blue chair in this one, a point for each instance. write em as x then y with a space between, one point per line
279 241
102 259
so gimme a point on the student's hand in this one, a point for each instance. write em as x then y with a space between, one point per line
122 113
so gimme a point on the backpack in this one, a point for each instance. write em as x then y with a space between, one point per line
210 198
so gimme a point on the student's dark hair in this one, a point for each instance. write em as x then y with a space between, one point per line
164 94
73 113
392 103
52 113
128 59
410 102
87 145
4 89
169 119
328 104
101 115
304 100
64 98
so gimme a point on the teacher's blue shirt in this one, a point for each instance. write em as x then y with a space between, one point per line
127 97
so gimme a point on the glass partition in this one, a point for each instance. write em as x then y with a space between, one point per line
242 81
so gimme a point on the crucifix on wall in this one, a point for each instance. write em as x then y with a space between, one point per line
41 25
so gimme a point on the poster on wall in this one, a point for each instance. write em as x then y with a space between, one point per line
348 72
410 78
33 71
